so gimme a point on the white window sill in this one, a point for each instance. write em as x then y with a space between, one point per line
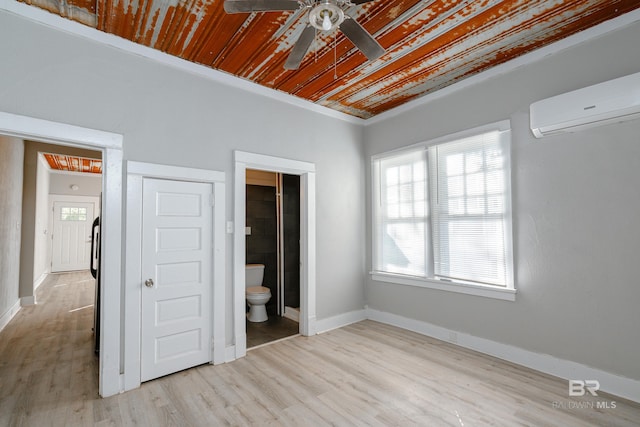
462 288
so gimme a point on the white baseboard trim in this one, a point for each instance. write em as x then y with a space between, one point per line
30 300
39 281
9 314
335 322
292 314
609 383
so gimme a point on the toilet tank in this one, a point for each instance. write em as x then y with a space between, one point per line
253 274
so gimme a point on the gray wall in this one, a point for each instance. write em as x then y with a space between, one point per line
577 287
42 231
576 211
11 160
171 117
88 184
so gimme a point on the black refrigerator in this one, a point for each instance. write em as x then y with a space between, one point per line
95 272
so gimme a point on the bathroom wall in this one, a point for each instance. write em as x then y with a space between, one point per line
291 229
262 243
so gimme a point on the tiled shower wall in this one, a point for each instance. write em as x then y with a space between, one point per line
291 215
261 245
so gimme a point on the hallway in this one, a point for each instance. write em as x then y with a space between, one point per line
47 357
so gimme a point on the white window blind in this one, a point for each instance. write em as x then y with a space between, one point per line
402 213
442 213
471 209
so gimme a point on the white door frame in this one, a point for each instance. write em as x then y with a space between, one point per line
306 171
110 144
136 171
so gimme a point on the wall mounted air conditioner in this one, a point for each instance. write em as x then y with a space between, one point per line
613 101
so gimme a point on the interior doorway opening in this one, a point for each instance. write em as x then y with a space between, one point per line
306 173
273 240
53 206
68 190
110 145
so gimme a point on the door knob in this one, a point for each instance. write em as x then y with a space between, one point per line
148 283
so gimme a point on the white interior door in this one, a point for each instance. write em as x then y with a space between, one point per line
177 284
71 249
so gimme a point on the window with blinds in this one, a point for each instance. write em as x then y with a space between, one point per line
443 211
402 215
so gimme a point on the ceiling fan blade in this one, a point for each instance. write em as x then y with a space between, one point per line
362 39
300 49
360 1
245 6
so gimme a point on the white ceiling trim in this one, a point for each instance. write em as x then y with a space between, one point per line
57 22
75 28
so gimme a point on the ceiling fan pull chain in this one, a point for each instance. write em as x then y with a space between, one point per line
335 55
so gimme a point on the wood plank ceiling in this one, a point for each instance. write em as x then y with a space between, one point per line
63 162
430 44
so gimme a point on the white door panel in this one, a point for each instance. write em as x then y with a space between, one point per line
177 257
71 248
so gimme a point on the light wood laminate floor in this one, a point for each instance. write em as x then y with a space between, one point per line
363 374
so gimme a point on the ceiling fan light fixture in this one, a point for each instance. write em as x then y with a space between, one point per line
322 15
326 16
326 21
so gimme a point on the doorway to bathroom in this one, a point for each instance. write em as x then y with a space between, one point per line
273 239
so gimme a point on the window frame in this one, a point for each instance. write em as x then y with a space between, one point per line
67 214
385 219
431 281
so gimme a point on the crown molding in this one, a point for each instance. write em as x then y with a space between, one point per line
62 24
57 22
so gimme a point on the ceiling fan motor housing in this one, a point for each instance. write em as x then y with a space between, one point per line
326 12
323 15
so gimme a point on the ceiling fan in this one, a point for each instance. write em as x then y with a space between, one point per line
323 15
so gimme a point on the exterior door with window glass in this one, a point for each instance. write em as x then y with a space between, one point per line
71 236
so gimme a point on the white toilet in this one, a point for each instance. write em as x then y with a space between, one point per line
257 295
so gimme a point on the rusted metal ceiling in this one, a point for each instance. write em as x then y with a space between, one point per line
63 162
430 44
